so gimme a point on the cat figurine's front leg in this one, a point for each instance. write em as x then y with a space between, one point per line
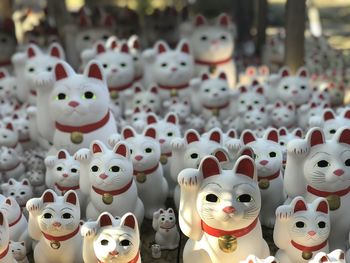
88 232
84 156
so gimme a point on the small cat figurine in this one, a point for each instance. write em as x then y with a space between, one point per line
19 251
317 167
8 85
37 180
9 137
164 223
255 118
22 191
54 221
250 97
219 212
268 157
146 99
107 177
336 93
72 98
5 253
145 153
254 259
307 112
336 256
21 125
301 230
283 115
11 165
111 239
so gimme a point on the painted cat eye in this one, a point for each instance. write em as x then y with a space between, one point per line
322 163
61 96
332 131
104 242
321 224
67 216
89 95
244 198
170 134
194 155
114 169
94 168
347 162
211 198
299 224
47 215
31 69
272 154
148 150
59 168
285 87
125 243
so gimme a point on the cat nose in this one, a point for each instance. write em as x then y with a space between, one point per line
339 172
174 69
103 176
138 157
229 209
114 253
65 175
215 41
73 104
56 224
264 162
311 233
295 92
215 94
161 141
114 70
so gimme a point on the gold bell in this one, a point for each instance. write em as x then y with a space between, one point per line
163 159
76 137
107 199
212 69
334 202
264 184
173 93
114 95
227 243
306 255
141 178
55 244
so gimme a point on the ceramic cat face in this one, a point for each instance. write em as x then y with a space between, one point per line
214 92
116 240
22 191
18 250
59 215
146 99
36 178
283 114
8 158
8 135
173 67
144 148
21 125
327 165
250 97
79 99
167 218
7 107
228 199
255 118
332 122
138 119
10 208
336 93
336 256
254 259
294 89
309 224
110 168
8 86
212 42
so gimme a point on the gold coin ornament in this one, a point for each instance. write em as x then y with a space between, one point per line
334 202
264 184
173 93
107 199
227 243
216 112
76 137
306 255
114 95
55 244
141 178
163 159
212 69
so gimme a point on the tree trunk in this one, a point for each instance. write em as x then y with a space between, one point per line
5 9
261 25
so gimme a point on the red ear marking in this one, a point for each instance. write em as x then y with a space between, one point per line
171 119
2 75
60 72
55 52
303 73
283 132
9 126
290 107
185 48
285 73
242 89
272 136
136 44
8 201
25 182
138 89
328 115
300 206
124 48
30 52
232 134
210 167
154 90
100 48
322 207
324 259
255 82
72 198
347 114
61 155
316 138
151 119
260 90
248 137
278 104
262 109
205 76
128 133
121 150
1 218
137 110
114 44
130 221
313 105
151 132
215 136
95 72
221 156
248 151
96 148
48 197
299 133
161 48
345 136
199 20
246 167
224 20
222 76
105 220
342 255
191 137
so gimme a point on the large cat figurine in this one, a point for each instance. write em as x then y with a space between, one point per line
301 230
6 255
80 107
110 239
317 167
107 177
54 221
219 212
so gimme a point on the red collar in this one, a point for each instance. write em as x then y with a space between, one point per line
33 92
5 63
325 194
179 87
11 168
134 260
85 128
217 107
270 177
66 188
61 238
169 154
3 254
309 249
14 146
17 220
138 78
146 172
237 233
24 140
121 88
210 63
113 192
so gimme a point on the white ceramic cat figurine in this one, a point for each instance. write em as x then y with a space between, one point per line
336 256
146 99
145 154
5 253
254 259
54 221
250 97
11 165
268 157
219 212
80 107
22 191
107 177
21 125
213 47
9 137
8 85
164 223
321 168
284 137
135 51
255 118
19 251
301 230
37 180
283 115
111 240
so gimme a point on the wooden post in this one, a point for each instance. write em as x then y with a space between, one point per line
5 9
295 36
261 25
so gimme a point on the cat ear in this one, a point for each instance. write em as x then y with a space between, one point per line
246 150
171 118
324 259
282 131
224 20
25 182
124 48
3 73
221 155
154 90
262 109
96 147
161 47
192 136
11 181
105 219
298 133
245 166
343 135
8 201
135 42
215 136
112 42
315 137
100 48
150 132
62 70
291 106
171 211
322 205
9 126
302 72
272 135
121 149
137 89
71 197
129 220
299 204
250 71
199 20
205 76
152 118
222 76
33 51
2 218
48 196
328 115
242 89
248 137
22 243
55 50
346 114
62 154
209 166
232 133
93 70
278 104
260 90
255 82
128 132
284 72
184 47
264 70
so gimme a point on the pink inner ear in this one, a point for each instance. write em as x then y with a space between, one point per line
161 48
9 127
48 197
283 132
248 137
260 90
316 138
121 150
246 167
2 75
100 48
328 115
272 136
222 76
210 167
72 198
221 156
130 221
124 48
96 148
345 136
185 48
242 89
55 52
105 220
300 206
30 52
60 72
62 155
127 133
154 90
224 20
171 119
151 119
347 114
200 20
95 72
151 133
25 182
205 77
192 137
285 73
322 207
215 136
136 44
